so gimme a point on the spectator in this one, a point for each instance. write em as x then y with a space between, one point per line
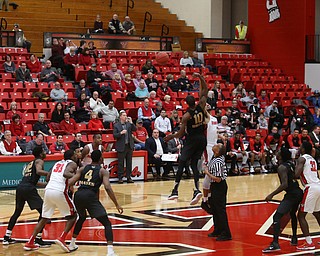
77 142
294 143
158 109
239 91
25 43
239 127
81 100
83 114
115 26
211 101
128 25
69 125
173 84
85 58
168 105
156 147
273 107
122 132
146 114
263 99
256 148
96 103
98 25
117 84
316 117
186 60
95 124
304 137
109 114
151 82
82 89
315 99
153 99
175 121
114 70
8 146
23 74
140 136
6 4
129 83
93 52
71 61
308 118
164 90
69 44
223 127
315 138
248 100
57 116
218 114
59 146
262 122
57 50
184 82
162 124
49 74
83 45
218 95
198 63
42 127
148 67
57 94
275 120
142 91
38 141
94 77
294 121
241 31
138 79
235 111
33 64
131 70
16 126
237 148
8 65
254 112
13 109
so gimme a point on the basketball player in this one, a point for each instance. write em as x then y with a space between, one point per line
307 170
27 192
86 198
87 150
290 201
193 124
56 196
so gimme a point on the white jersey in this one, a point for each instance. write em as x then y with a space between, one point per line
57 181
87 159
212 131
310 171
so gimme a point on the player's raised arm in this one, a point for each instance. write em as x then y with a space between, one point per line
203 91
108 188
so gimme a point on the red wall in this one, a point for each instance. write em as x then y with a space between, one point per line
282 42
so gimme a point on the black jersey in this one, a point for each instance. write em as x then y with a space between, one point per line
30 176
292 183
90 178
195 125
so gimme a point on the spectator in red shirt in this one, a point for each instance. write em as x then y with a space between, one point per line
140 136
167 105
33 64
85 58
256 147
129 83
95 124
71 60
237 148
263 99
294 143
59 146
131 71
117 84
164 90
304 136
13 110
16 126
69 125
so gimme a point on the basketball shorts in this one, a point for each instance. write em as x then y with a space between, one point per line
290 201
86 199
311 199
30 195
193 148
56 199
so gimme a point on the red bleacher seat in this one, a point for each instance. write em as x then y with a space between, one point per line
128 105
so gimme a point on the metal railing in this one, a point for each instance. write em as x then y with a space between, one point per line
147 18
312 53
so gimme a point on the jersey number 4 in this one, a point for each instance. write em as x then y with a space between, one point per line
88 175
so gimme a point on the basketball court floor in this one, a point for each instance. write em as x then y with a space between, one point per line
152 225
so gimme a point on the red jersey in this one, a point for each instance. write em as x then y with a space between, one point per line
236 145
256 146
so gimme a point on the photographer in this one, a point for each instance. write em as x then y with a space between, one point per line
122 132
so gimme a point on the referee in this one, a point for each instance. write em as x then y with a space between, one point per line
217 172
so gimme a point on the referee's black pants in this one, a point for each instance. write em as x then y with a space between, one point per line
218 201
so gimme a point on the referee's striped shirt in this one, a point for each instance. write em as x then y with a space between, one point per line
217 167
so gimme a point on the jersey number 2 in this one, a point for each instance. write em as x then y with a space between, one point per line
313 166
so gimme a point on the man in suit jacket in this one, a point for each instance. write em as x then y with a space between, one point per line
156 147
122 132
23 74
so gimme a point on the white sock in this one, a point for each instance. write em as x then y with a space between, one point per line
205 199
308 239
8 233
110 248
73 241
39 235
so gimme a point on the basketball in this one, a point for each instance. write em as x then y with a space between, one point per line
162 58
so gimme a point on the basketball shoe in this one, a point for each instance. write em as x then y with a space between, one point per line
306 247
8 240
62 244
173 195
30 247
196 197
273 247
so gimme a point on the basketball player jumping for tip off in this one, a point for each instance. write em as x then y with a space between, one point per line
193 125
